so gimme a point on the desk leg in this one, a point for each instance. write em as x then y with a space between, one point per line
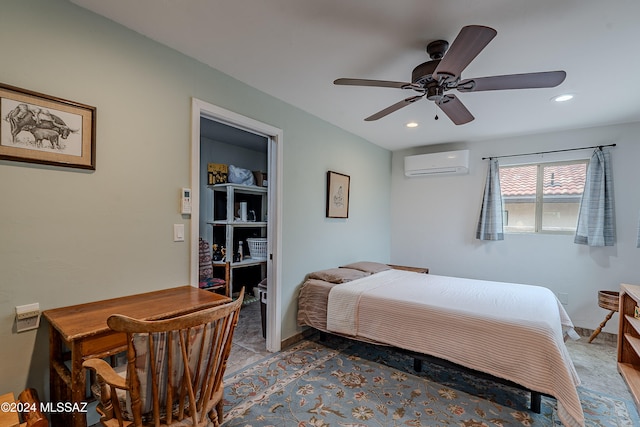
78 385
66 386
59 378
58 382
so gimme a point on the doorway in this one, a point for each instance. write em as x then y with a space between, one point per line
204 114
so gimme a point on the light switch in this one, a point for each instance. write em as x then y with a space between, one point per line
178 232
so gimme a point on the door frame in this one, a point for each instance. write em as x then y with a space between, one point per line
274 136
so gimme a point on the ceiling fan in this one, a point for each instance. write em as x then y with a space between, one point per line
433 78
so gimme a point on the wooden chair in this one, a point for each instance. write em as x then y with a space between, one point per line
31 416
174 369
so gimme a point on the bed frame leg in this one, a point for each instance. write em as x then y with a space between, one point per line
417 364
536 401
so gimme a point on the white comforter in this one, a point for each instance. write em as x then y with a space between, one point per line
508 330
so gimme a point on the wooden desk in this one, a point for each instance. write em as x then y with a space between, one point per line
79 332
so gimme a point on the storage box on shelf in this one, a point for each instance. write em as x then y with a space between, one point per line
229 229
257 247
217 173
260 178
629 339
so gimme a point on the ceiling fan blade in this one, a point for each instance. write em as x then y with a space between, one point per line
392 108
467 45
455 109
376 83
513 81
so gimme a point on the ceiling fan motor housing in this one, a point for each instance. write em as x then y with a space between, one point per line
422 74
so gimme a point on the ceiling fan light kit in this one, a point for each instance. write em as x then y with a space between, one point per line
432 79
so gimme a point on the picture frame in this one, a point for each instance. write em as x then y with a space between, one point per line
39 128
338 192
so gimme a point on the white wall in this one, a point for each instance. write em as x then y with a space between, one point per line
434 221
69 236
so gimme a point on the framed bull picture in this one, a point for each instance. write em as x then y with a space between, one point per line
38 128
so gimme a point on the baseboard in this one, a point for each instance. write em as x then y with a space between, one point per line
607 337
297 338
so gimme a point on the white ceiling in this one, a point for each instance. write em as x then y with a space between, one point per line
294 49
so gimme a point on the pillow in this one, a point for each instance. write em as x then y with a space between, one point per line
337 275
367 266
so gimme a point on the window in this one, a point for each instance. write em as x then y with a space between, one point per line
542 198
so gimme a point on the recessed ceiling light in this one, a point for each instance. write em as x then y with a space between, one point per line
412 125
562 98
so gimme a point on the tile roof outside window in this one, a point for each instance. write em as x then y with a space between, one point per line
565 179
543 197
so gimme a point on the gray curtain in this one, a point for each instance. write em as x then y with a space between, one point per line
490 225
596 225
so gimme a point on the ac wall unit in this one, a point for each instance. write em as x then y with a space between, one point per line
448 162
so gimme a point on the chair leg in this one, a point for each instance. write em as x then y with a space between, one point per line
219 413
215 415
599 329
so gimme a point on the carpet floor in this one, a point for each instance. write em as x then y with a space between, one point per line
344 383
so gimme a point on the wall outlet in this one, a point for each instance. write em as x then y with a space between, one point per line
27 317
27 324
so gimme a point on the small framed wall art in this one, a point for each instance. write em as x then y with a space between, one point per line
337 195
38 128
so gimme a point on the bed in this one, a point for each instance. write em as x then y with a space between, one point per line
510 331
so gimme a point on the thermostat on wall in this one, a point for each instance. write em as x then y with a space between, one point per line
185 200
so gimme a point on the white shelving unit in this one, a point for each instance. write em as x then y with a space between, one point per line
230 195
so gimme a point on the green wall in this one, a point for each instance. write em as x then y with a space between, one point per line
70 236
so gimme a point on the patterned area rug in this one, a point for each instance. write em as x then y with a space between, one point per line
344 383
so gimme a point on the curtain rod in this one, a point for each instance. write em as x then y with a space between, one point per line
547 152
